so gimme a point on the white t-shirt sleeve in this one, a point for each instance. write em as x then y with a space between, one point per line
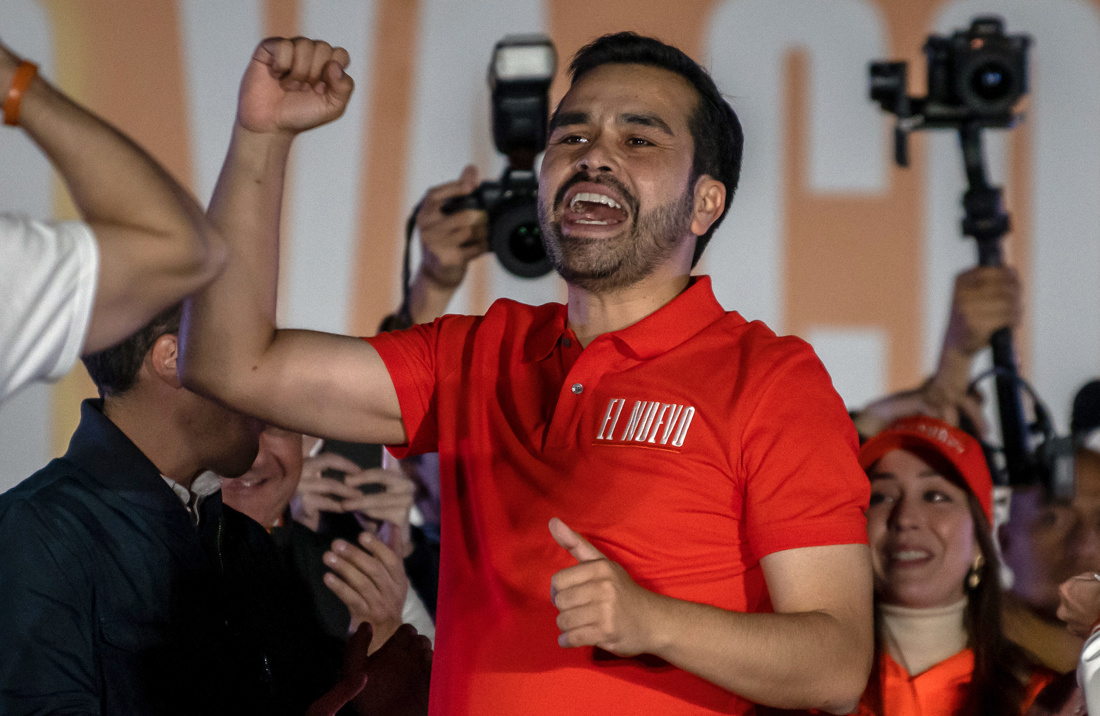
48 276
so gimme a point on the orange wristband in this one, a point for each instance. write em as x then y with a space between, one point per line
19 83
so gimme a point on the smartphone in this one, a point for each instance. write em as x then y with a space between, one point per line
369 488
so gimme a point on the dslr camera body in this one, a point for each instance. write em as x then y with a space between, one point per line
975 77
520 74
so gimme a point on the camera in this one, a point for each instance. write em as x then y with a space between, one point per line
520 74
976 76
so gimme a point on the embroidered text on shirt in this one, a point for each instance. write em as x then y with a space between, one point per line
650 421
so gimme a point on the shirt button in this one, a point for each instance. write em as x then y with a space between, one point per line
577 388
566 343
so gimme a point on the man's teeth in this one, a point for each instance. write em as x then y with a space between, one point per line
591 198
908 554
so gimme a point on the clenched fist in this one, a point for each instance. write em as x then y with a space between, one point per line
293 85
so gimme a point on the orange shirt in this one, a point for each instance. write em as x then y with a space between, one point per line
939 691
685 447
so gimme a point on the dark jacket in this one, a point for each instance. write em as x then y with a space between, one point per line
112 602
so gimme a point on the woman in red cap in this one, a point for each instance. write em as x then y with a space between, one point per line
939 645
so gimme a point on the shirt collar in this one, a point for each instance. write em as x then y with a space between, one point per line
203 486
548 327
667 327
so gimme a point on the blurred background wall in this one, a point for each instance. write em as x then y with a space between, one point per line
826 239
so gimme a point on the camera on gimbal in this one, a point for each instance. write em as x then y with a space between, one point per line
519 75
975 76
975 79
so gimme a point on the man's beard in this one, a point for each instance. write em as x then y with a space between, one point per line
608 264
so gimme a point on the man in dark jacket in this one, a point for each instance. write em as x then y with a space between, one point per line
126 586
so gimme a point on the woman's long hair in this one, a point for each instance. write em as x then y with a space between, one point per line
998 684
1000 667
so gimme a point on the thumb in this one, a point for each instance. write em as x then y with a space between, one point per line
468 179
339 82
577 546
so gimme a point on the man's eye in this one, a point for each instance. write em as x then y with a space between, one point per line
936 496
639 142
573 139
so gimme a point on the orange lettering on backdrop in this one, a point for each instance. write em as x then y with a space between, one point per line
859 260
852 260
573 23
382 201
281 19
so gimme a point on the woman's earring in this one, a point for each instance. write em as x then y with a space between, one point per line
974 576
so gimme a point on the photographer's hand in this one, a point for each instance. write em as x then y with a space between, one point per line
449 242
985 299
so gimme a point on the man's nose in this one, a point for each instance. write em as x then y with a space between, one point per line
597 157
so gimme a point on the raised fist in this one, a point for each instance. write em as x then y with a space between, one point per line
293 85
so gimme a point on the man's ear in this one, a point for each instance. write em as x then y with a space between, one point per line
163 360
710 199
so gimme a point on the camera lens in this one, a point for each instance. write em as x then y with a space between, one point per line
991 81
526 243
516 239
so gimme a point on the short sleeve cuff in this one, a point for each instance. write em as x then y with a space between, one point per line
87 265
413 405
817 533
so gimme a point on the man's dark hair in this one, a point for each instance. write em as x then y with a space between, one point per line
715 129
115 369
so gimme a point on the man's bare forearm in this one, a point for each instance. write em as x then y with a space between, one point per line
310 382
807 660
813 653
230 325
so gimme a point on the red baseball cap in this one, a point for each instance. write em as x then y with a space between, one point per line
941 446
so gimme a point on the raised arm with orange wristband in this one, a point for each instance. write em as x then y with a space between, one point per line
144 242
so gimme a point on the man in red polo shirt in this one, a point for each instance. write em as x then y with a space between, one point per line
706 547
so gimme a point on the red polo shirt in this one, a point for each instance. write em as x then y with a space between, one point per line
685 447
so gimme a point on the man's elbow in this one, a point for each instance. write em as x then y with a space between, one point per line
843 698
846 683
206 253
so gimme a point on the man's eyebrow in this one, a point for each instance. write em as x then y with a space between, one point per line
647 120
564 119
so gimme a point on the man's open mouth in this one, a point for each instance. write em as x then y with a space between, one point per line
592 206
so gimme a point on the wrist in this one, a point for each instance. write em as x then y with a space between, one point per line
441 277
658 621
273 136
952 376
